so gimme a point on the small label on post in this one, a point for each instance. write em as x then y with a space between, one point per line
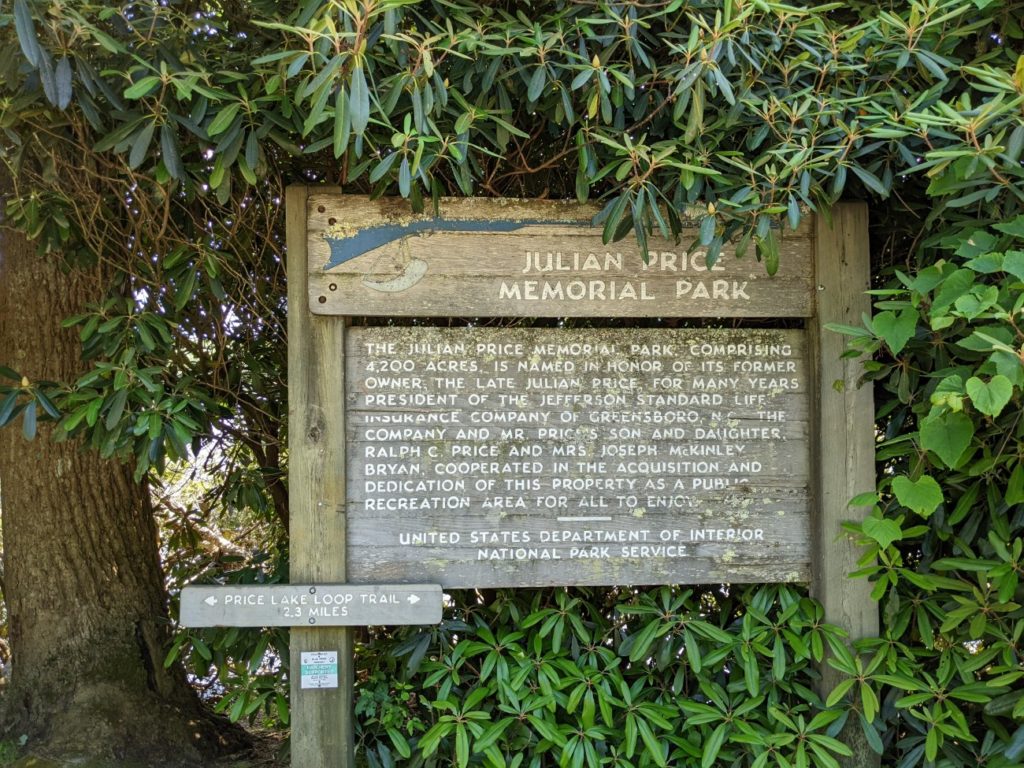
319 669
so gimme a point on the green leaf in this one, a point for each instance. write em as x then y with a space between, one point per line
116 410
1014 227
400 742
1015 144
247 173
987 263
692 650
793 212
963 564
140 145
923 496
979 300
881 530
871 181
28 423
990 398
779 659
993 337
840 691
869 701
63 78
642 641
547 729
141 87
183 294
342 123
651 742
47 76
383 167
1013 262
713 746
252 150
953 287
508 126
359 101
26 31
238 708
977 244
1015 749
169 151
868 499
616 209
324 74
1014 488
927 279
47 405
768 249
929 63
7 407
707 229
224 118
895 330
947 435
404 177
537 81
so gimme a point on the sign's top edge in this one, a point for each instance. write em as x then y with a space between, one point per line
361 210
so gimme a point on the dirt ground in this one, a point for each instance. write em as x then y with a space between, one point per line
269 750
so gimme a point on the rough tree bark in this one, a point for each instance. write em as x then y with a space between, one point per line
85 597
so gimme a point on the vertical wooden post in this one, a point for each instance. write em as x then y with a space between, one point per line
844 443
322 733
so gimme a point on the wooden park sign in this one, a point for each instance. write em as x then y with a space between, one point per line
495 456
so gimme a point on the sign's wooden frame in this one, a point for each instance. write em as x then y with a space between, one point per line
842 450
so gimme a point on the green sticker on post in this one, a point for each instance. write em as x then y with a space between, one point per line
319 669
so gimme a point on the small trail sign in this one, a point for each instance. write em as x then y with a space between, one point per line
298 605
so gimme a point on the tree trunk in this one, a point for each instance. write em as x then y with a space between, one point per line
85 597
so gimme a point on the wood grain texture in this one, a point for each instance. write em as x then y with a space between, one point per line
322 724
376 258
586 457
845 445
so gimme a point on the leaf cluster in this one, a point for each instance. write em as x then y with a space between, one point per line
946 533
647 677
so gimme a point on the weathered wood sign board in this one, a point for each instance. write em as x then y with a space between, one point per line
483 457
296 605
530 259
532 457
